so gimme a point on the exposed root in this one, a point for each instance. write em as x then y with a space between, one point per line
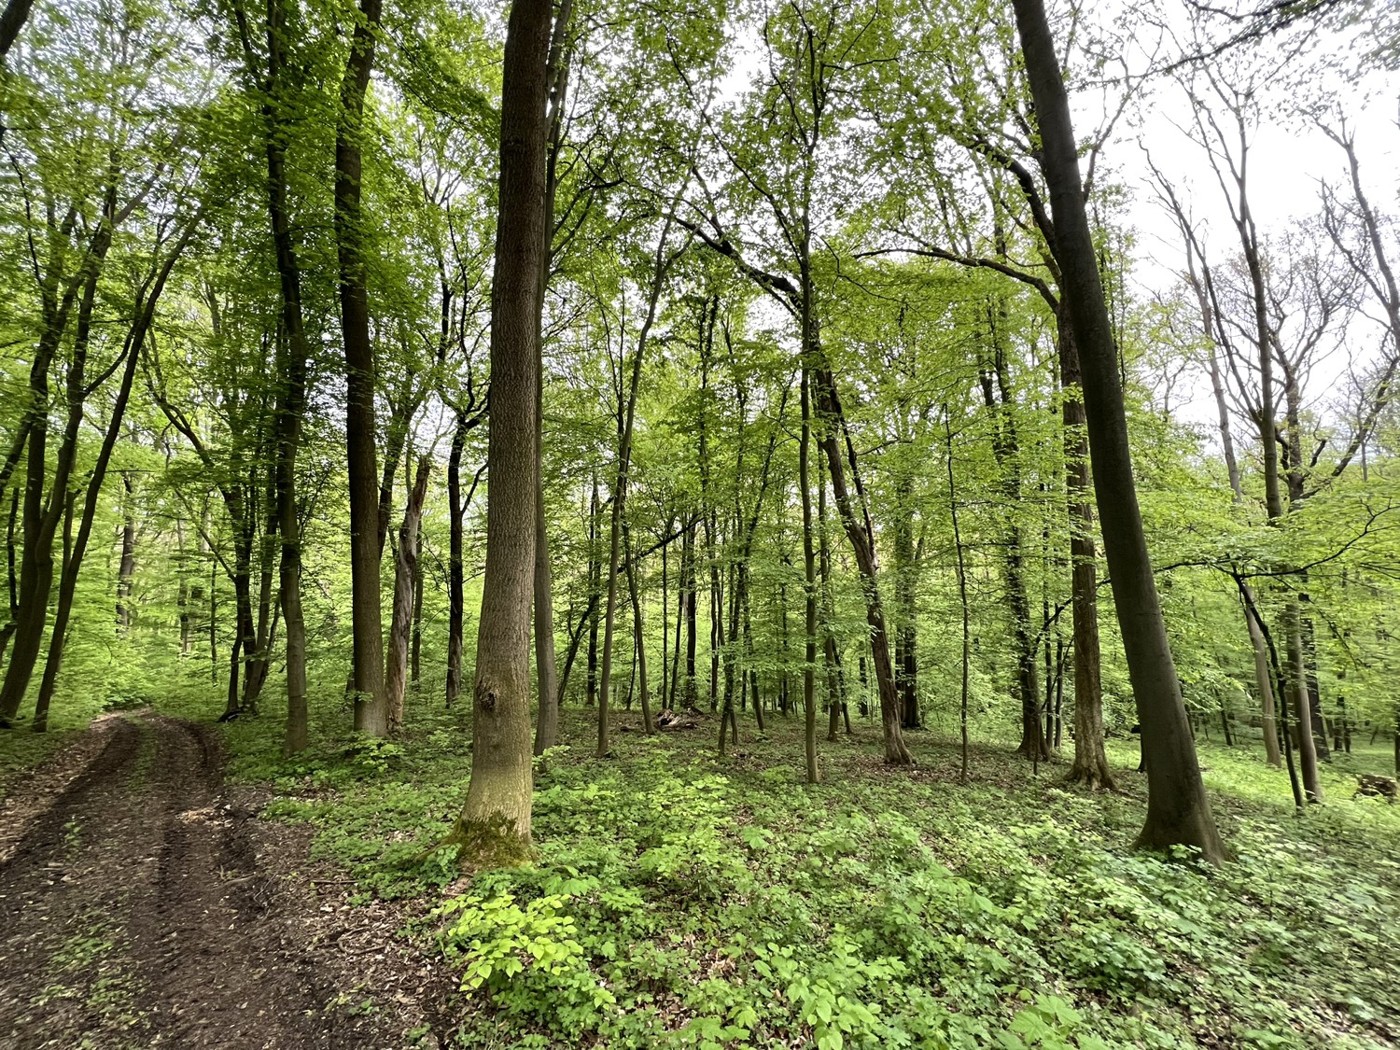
1091 779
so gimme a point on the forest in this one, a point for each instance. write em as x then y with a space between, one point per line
783 523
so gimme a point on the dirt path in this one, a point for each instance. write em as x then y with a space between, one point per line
134 913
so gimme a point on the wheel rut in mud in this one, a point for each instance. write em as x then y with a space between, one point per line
135 912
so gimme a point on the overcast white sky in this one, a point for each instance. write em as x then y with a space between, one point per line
1320 69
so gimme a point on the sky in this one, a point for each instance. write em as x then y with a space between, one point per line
1315 68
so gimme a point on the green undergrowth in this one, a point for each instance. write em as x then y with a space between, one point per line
682 900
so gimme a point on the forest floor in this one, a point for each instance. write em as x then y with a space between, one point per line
141 905
189 887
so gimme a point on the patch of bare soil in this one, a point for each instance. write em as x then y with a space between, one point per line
144 907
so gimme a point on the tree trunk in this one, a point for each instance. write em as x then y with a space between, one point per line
292 395
1006 448
748 643
42 516
1324 751
455 571
11 577
494 826
75 548
1302 702
1178 811
370 701
809 567
661 265
126 566
1090 767
832 420
49 680
1262 679
11 22
550 695
728 719
405 574
962 591
827 611
638 637
905 587
415 658
665 621
595 584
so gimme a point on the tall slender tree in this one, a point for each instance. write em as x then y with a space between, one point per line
1178 811
494 825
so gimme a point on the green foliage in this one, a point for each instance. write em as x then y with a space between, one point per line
678 901
526 958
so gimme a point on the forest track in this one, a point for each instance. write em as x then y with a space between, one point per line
135 911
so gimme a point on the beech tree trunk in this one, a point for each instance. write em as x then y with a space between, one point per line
44 511
962 592
75 548
595 582
1178 811
906 636
547 686
370 700
662 260
455 575
11 22
292 395
996 393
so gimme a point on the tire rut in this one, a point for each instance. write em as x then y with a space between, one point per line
135 915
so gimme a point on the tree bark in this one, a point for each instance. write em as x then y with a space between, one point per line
292 394
595 583
126 565
494 826
370 701
75 548
547 686
809 569
1178 811
996 393
627 410
42 516
906 636
638 637
11 22
455 572
832 422
962 592
1090 767
405 574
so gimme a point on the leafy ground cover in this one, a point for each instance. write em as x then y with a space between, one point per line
686 900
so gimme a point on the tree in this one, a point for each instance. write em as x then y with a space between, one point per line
366 522
1178 812
494 825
